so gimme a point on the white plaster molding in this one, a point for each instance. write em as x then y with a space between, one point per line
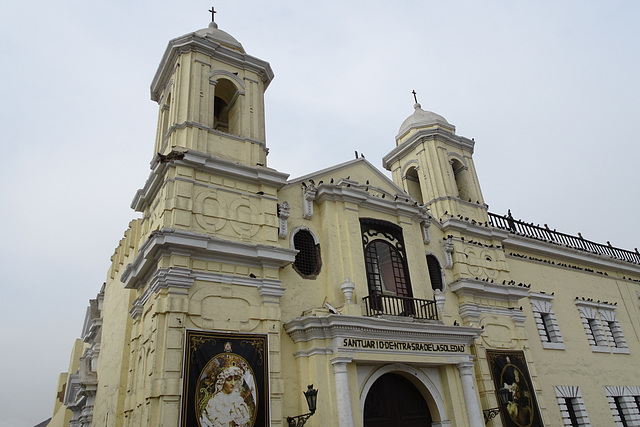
347 288
168 241
208 46
556 251
335 328
389 205
206 163
423 135
284 211
215 75
495 291
270 290
472 312
426 236
447 250
308 195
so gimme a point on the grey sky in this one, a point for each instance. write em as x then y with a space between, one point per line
549 90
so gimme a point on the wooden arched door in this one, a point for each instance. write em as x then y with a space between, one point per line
394 401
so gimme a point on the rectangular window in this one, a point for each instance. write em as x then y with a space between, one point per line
573 419
596 333
547 327
574 413
620 410
601 326
546 322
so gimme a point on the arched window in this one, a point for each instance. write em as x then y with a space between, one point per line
224 107
435 273
461 175
385 269
385 258
413 185
308 261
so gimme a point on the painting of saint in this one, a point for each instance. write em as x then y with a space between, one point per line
509 371
226 380
227 393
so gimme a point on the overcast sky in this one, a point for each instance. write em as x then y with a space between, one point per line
550 90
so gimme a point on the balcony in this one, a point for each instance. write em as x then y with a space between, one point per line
393 305
552 236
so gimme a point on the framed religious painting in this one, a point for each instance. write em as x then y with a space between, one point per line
511 378
225 380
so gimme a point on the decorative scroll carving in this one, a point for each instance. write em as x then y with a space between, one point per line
425 230
284 211
447 247
308 195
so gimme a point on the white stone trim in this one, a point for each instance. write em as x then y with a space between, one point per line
546 320
333 328
573 393
630 410
206 163
215 75
602 328
309 192
168 241
284 211
495 291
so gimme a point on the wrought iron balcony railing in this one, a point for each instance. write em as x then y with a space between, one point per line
545 234
393 305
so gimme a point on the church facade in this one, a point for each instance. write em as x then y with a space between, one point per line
403 301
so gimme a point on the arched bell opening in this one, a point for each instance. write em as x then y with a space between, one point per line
226 108
413 185
461 175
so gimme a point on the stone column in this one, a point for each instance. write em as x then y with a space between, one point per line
343 398
476 419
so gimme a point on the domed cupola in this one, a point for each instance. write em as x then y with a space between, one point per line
213 33
422 119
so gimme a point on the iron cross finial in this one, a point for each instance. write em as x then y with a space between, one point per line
213 12
415 96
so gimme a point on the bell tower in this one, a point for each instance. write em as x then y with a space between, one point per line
209 256
211 98
435 166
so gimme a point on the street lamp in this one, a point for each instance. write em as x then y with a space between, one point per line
312 397
504 395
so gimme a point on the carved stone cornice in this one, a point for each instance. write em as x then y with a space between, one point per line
423 135
167 242
210 164
309 328
195 42
487 290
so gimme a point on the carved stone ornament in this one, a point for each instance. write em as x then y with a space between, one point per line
426 236
283 215
308 195
347 289
447 247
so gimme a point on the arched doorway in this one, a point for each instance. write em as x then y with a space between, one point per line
394 401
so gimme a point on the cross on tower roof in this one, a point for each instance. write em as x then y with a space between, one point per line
415 97
213 12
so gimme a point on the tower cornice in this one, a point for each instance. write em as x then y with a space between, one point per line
207 163
423 135
194 42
